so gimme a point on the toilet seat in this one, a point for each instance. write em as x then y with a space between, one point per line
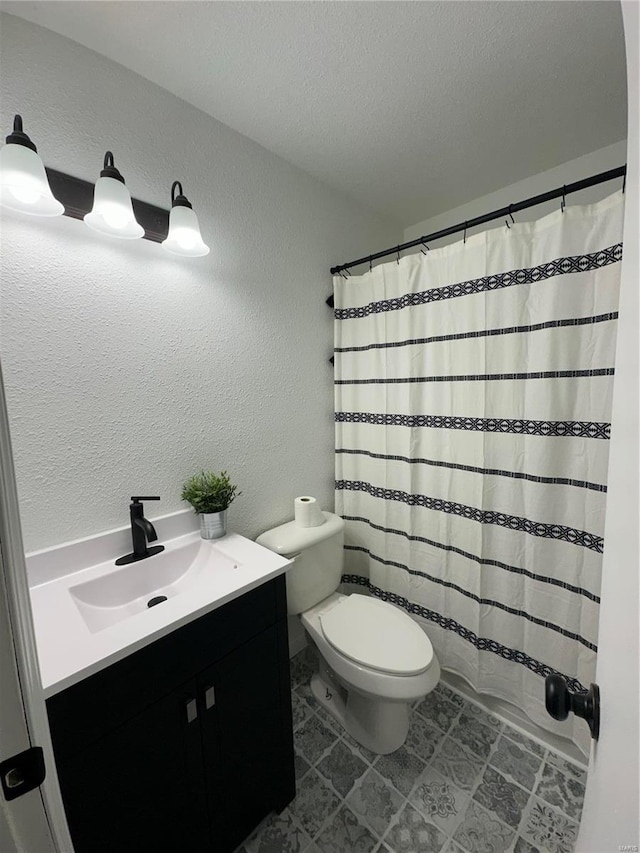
377 635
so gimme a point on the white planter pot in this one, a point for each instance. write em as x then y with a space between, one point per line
213 525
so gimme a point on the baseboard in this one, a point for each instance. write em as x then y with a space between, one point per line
516 718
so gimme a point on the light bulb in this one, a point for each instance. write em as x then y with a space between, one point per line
184 231
24 185
25 195
115 216
112 212
186 238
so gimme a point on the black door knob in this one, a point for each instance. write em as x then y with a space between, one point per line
559 701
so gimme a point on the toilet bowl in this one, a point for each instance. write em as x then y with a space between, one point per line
375 661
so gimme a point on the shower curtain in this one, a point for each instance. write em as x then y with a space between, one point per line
473 397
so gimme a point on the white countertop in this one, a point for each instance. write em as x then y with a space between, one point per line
69 650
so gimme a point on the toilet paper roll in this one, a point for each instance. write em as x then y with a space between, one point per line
307 512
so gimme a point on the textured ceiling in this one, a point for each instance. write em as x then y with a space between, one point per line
411 108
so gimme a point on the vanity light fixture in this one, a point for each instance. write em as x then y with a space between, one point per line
26 185
184 236
23 181
112 211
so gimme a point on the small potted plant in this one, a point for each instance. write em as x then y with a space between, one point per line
210 495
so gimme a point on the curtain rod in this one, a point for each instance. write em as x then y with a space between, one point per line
561 192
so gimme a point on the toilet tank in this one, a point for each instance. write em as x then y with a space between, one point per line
318 557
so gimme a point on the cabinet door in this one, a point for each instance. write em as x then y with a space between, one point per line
247 736
141 788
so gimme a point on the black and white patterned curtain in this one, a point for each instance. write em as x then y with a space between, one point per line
473 399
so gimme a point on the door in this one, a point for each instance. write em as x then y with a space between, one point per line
24 823
248 763
610 813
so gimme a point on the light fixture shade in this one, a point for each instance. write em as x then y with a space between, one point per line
112 211
184 234
24 185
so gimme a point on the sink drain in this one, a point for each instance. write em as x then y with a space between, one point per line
157 600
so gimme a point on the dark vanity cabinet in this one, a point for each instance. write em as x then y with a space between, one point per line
186 744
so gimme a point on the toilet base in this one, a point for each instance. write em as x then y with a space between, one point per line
330 696
375 724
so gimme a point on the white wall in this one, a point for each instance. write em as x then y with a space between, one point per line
582 167
127 370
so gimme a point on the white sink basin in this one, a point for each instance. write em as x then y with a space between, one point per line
107 600
90 615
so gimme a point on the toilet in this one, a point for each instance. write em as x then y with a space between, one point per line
375 661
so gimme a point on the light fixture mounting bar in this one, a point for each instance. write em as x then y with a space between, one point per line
77 197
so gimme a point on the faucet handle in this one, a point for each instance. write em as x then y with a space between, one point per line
137 500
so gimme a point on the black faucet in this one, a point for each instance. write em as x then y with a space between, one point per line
141 531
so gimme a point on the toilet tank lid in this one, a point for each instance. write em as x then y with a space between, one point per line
376 634
289 539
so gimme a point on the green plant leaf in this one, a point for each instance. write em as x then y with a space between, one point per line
209 492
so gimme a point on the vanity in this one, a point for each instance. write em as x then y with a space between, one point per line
171 724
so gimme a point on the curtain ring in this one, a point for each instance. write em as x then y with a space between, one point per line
464 237
563 203
624 182
398 255
506 222
370 264
425 247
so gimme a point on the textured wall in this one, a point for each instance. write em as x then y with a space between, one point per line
125 369
593 163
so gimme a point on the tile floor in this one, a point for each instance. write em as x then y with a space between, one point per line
464 782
